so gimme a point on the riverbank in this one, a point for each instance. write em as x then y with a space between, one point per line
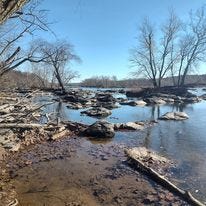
92 154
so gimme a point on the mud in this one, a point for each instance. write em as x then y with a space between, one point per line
74 171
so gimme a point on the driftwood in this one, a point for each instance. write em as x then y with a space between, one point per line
8 98
13 203
35 109
60 135
187 196
20 125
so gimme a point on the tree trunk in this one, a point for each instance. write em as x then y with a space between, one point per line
59 79
9 7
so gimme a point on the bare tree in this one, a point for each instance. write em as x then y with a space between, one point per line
155 58
143 56
167 57
192 46
8 8
57 56
24 23
178 52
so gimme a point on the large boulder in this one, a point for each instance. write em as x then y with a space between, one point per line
105 97
97 112
174 116
100 129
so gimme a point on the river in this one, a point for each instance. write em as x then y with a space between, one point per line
184 142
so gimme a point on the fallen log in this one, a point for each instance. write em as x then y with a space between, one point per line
185 195
20 125
8 98
35 109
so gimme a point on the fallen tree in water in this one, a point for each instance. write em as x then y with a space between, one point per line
138 157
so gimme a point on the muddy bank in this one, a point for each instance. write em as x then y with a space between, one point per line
97 171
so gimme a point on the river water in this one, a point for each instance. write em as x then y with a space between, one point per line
182 141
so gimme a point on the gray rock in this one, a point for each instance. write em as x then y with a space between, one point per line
191 100
174 116
129 126
107 105
100 129
75 106
105 97
134 103
97 112
154 100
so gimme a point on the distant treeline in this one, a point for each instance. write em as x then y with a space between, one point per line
18 79
111 82
22 80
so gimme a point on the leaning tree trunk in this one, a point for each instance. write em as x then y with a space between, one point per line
9 7
59 79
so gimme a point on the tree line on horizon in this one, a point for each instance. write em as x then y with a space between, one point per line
164 59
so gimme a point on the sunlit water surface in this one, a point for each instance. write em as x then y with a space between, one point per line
183 141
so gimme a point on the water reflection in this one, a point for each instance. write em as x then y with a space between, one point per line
183 141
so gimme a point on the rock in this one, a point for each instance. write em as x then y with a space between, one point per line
105 97
134 103
122 91
97 112
107 105
100 129
12 146
121 99
191 100
75 106
75 98
203 96
174 116
168 100
129 126
154 100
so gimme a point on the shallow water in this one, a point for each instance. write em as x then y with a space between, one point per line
183 141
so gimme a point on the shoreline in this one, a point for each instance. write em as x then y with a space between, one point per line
44 140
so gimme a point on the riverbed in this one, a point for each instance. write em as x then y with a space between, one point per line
94 172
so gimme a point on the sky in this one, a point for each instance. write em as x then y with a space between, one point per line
103 31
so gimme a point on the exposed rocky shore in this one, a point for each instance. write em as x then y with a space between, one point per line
21 119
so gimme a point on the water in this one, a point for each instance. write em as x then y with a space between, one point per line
182 141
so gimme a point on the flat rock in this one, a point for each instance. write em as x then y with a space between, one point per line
134 103
174 116
98 112
154 100
129 126
74 106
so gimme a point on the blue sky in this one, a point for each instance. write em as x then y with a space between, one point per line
103 31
